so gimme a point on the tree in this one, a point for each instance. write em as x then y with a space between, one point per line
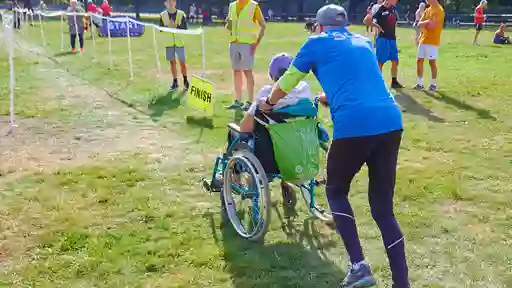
300 9
136 4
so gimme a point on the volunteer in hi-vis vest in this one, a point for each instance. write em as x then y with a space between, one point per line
247 26
174 18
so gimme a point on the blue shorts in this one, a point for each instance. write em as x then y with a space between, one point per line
386 50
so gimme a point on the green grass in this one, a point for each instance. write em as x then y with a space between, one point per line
136 220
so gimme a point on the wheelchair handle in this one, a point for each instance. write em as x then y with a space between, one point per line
316 101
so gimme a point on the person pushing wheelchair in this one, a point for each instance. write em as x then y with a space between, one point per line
367 130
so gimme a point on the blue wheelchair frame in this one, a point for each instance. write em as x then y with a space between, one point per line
305 108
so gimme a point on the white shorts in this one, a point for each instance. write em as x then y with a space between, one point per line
426 51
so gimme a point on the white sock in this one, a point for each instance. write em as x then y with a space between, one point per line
356 266
433 82
420 81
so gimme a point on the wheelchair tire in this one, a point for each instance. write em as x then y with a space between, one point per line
262 192
240 146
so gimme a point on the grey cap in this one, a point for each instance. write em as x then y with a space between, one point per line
332 15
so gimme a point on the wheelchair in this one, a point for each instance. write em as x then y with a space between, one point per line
244 181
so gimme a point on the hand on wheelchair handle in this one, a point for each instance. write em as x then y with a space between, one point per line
322 99
264 107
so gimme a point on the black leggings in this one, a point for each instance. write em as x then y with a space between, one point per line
345 159
80 39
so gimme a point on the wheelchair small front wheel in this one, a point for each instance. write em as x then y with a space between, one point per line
315 194
320 211
246 196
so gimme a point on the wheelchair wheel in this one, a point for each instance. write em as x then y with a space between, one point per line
316 200
246 196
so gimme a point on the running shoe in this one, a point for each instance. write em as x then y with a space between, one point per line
359 278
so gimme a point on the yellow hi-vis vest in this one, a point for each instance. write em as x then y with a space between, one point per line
243 29
176 40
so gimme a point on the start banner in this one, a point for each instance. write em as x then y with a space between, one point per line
200 95
120 28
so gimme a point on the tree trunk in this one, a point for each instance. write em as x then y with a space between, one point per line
457 4
352 10
300 9
137 8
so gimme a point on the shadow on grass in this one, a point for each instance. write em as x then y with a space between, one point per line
169 101
284 264
200 121
411 106
480 112
63 54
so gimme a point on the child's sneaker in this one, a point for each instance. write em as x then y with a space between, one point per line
82 50
246 106
418 87
236 105
186 84
174 85
73 50
432 88
359 276
396 85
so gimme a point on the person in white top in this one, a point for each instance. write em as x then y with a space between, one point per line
278 66
270 14
192 14
419 14
42 6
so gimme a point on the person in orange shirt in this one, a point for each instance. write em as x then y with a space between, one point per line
479 20
245 38
431 25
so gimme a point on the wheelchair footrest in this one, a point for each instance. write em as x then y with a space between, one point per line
209 187
321 182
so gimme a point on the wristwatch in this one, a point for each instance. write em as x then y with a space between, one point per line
267 101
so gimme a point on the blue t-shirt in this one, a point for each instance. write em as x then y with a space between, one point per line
346 67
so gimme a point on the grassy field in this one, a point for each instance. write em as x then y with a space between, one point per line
100 183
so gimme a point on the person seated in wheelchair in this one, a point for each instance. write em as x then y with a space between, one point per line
279 64
263 149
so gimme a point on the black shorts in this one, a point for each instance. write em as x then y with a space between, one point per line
479 27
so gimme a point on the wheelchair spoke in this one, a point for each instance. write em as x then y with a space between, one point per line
243 181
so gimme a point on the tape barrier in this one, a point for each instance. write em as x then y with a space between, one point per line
198 31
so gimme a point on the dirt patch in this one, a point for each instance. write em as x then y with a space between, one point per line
455 208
